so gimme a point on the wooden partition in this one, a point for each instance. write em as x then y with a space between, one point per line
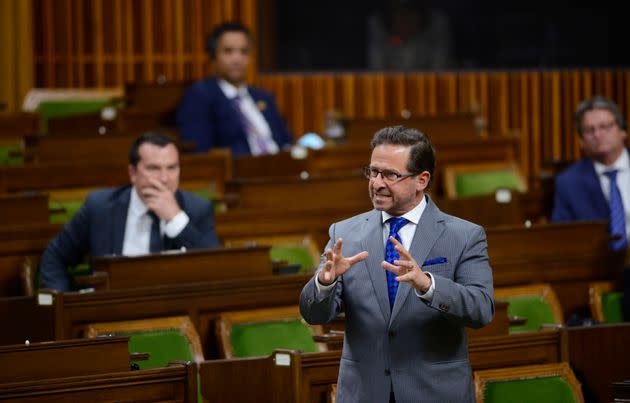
291 376
568 256
175 267
94 370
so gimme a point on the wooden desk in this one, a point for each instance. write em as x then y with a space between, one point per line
170 268
568 256
291 376
23 209
213 169
94 370
201 302
599 356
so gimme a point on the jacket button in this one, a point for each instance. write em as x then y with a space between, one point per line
387 372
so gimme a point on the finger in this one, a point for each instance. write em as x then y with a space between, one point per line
359 257
397 270
409 264
337 247
401 249
156 183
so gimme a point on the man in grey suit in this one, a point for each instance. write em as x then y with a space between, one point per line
409 278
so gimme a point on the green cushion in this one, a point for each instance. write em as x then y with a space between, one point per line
482 183
539 390
68 208
258 339
612 303
533 307
293 254
70 107
163 346
11 155
204 194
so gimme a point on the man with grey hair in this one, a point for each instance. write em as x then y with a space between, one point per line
409 278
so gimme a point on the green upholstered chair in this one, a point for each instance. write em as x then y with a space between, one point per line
553 383
11 155
298 249
62 211
165 339
465 180
537 303
605 302
258 332
70 107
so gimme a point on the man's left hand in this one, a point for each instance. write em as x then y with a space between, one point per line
407 269
159 199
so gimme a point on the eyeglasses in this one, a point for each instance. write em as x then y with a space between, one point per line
604 127
386 174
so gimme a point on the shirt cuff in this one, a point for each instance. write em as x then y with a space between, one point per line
176 225
324 290
427 296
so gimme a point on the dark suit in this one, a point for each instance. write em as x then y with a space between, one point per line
98 229
578 194
419 349
206 118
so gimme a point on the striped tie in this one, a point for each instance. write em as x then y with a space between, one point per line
250 129
391 254
617 219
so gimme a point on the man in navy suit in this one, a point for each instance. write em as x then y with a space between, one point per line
150 215
584 190
222 111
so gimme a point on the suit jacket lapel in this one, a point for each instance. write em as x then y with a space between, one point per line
593 188
373 242
120 205
428 230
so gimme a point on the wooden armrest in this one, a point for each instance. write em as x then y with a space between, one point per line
98 280
330 337
138 356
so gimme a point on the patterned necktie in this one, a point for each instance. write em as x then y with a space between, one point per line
250 129
155 241
617 220
395 224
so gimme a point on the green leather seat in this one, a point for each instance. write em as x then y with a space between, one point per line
612 306
534 308
293 254
163 346
259 339
553 389
69 107
483 183
62 211
11 155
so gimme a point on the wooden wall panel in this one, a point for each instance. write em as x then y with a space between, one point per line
538 105
106 43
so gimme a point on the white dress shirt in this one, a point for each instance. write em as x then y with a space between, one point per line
406 234
253 114
138 227
622 165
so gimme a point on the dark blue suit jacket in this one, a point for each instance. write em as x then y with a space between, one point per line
578 194
98 229
206 118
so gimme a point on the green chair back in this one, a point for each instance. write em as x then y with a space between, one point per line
70 107
553 389
163 346
483 183
259 339
11 155
293 254
612 306
63 211
534 308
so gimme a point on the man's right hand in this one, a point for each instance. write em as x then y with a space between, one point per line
336 265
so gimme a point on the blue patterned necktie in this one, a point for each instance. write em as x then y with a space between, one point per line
395 224
617 220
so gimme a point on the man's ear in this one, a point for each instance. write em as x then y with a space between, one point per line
423 180
132 173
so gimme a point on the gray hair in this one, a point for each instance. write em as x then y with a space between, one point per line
598 102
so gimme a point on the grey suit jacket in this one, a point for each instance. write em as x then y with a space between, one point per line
418 349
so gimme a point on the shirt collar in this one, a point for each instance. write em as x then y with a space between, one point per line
136 205
412 215
621 164
231 91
